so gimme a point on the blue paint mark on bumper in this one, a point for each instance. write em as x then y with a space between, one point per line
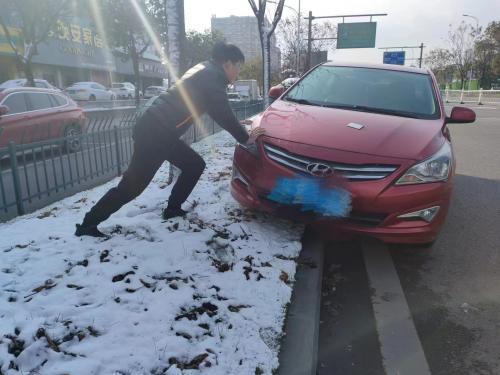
311 195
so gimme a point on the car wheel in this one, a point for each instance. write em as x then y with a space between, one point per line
72 135
112 97
92 98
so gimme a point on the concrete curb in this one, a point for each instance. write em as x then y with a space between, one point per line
299 349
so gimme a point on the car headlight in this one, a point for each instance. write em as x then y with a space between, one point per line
435 169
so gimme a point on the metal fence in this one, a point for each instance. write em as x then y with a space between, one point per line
472 96
33 175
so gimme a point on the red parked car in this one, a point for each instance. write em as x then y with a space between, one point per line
34 114
383 128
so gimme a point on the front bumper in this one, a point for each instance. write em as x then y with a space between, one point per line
376 204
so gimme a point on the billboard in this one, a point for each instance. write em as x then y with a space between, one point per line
395 58
356 35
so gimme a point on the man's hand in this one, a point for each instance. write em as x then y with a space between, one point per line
254 134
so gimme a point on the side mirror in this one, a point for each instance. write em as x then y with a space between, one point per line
276 91
461 115
3 110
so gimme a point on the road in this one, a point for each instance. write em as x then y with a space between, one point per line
451 289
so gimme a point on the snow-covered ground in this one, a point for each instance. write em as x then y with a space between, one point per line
202 295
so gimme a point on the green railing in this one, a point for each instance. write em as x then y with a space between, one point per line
35 174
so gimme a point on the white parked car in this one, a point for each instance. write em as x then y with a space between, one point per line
89 91
154 91
123 90
23 82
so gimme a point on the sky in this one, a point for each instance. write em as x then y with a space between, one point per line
408 23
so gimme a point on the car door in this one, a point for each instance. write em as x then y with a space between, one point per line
43 118
104 94
13 124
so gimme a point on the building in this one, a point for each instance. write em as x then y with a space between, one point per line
244 32
76 52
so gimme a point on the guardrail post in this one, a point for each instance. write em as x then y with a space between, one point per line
462 97
118 157
480 96
15 178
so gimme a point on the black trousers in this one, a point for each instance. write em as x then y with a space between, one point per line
152 146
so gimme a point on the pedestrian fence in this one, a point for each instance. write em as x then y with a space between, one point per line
471 96
38 173
108 104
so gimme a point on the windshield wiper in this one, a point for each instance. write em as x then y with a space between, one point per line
300 101
384 111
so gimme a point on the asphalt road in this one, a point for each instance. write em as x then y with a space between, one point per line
452 288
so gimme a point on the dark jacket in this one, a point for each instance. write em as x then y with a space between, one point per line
202 89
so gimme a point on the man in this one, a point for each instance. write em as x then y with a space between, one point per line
156 136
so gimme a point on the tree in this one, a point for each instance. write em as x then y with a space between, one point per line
290 43
126 33
461 42
36 19
441 63
266 30
489 49
252 70
199 45
484 54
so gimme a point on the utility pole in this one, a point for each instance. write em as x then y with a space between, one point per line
309 42
421 54
297 73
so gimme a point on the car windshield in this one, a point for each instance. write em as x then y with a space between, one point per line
383 91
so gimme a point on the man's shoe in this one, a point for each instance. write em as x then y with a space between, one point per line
88 231
170 212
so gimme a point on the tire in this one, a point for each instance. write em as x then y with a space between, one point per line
73 141
92 98
112 97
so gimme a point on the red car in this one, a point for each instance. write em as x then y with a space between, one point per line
383 128
34 114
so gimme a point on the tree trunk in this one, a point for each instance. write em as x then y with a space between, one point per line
28 71
175 29
266 68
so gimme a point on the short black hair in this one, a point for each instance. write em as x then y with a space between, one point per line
223 52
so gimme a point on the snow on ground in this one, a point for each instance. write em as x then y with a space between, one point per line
202 295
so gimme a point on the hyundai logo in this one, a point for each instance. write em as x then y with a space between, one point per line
319 170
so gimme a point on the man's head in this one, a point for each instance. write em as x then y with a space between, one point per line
230 57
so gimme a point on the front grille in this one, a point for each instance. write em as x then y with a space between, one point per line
366 219
353 172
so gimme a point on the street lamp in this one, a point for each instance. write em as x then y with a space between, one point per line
475 36
298 33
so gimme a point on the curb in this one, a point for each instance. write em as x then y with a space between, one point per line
299 348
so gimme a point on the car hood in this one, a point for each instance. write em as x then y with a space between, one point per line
381 135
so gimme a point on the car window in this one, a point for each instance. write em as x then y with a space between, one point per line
96 87
403 93
16 103
40 84
39 101
117 85
58 100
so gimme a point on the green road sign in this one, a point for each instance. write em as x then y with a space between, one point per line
356 35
